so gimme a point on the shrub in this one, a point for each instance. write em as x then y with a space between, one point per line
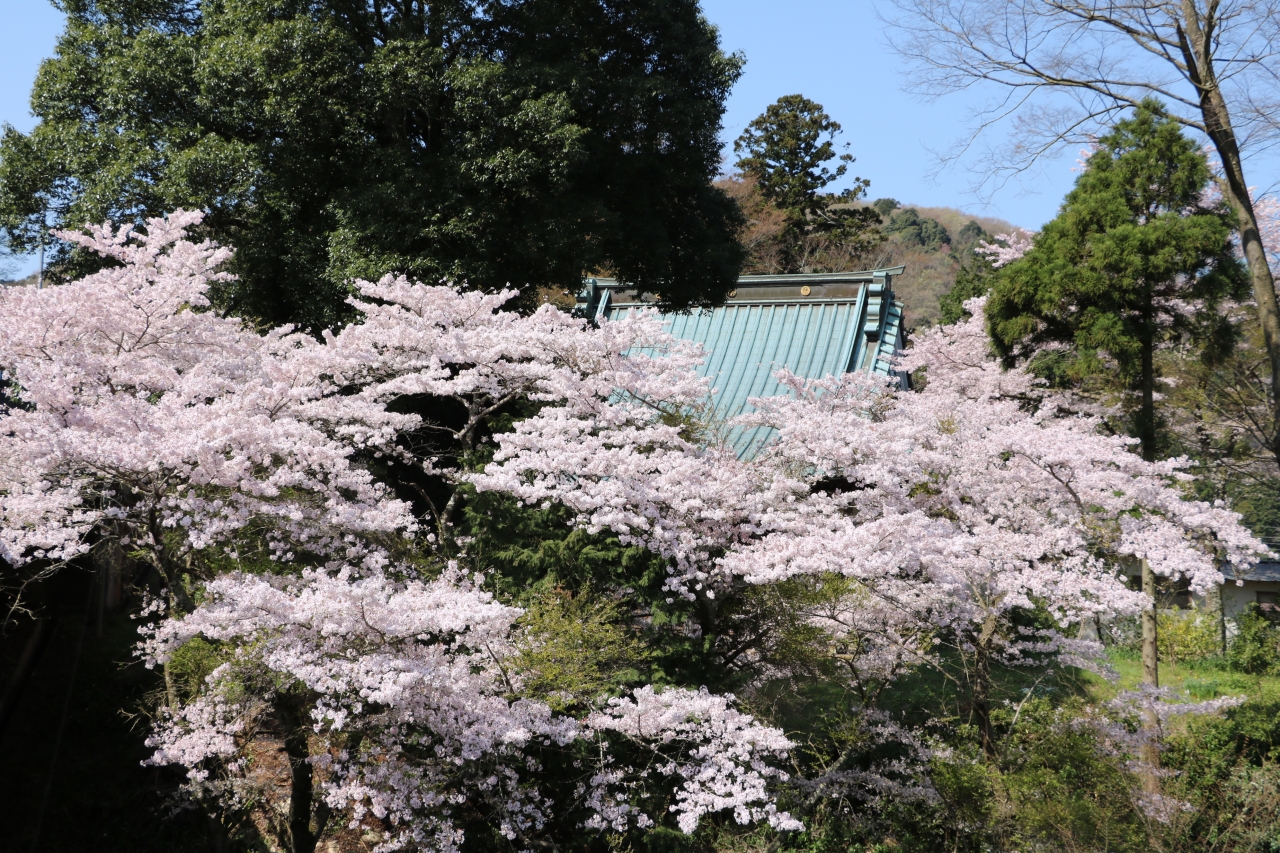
1186 635
1256 647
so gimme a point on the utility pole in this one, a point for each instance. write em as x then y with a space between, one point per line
44 222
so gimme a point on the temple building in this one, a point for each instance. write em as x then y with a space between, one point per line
813 324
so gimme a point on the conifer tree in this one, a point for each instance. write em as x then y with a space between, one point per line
1138 256
785 151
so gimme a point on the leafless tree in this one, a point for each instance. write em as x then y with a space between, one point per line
1062 69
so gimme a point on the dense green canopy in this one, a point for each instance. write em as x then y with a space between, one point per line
488 140
786 148
1139 255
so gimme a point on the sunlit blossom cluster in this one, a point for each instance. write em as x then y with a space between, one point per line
1007 248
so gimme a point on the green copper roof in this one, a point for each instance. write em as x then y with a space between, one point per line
814 326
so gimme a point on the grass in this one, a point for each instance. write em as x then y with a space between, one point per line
925 695
1208 678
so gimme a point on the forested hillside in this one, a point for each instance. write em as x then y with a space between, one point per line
794 223
932 255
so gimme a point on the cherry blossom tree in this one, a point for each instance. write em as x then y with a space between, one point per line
405 700
1006 248
957 509
186 437
977 519
143 417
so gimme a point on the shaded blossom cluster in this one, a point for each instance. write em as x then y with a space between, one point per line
417 671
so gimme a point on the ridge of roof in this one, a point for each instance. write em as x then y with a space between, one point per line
774 280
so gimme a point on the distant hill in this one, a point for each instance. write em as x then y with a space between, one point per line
931 242
29 281
931 264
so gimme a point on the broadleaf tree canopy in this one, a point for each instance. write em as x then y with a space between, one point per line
483 141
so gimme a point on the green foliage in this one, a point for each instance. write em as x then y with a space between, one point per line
577 648
1053 788
192 664
885 206
488 142
1183 636
786 149
1256 646
970 235
1226 769
533 551
783 153
1062 792
914 230
1133 242
1258 502
973 279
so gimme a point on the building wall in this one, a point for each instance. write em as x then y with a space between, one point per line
1236 598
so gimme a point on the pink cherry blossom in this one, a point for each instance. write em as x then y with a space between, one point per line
142 413
1007 248
945 511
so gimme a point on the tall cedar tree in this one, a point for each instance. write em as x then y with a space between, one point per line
1137 257
784 151
479 140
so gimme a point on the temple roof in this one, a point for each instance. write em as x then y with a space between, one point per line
813 325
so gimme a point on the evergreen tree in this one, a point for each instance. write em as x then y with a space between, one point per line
885 206
490 142
973 279
785 151
916 230
1137 257
787 148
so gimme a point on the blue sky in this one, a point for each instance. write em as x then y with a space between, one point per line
834 52
831 51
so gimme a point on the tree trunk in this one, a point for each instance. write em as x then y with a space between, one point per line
301 787
300 791
981 686
1147 437
982 703
1150 676
217 832
1217 611
170 687
1150 656
1217 121
1264 290
1147 414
